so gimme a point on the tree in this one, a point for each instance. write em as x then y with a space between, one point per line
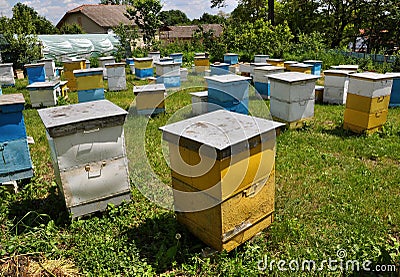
173 17
71 29
40 23
207 18
127 35
146 15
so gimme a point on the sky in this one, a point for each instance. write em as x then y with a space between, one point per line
54 10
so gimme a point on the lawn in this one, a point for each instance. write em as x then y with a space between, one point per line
337 198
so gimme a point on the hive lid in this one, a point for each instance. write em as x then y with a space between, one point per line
219 64
106 58
44 84
222 130
230 54
145 59
260 64
200 93
345 66
11 99
176 54
261 55
89 70
269 68
292 77
338 72
154 52
227 78
371 76
290 62
34 65
78 113
114 64
312 61
275 60
166 63
301 65
5 64
148 88
74 60
393 74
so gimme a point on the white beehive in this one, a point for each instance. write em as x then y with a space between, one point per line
167 69
253 66
336 86
44 94
260 58
199 102
116 76
184 74
261 73
49 67
102 63
87 147
7 74
370 84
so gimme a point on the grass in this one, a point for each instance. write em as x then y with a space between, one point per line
334 190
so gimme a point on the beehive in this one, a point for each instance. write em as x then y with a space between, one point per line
395 93
275 62
87 64
15 159
261 81
184 74
230 92
317 66
69 67
87 147
234 69
253 66
102 63
292 96
219 68
199 102
177 57
245 69
64 89
143 68
35 72
287 64
319 94
19 74
231 58
201 63
336 86
44 94
166 59
155 55
49 68
116 76
129 61
7 74
150 99
89 84
226 196
367 102
349 67
300 67
260 58
167 69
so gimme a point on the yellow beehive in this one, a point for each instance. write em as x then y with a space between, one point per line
222 167
69 67
143 63
90 82
363 120
234 221
276 62
300 67
367 104
150 99
201 61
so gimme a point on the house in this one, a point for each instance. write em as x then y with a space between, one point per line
185 33
96 18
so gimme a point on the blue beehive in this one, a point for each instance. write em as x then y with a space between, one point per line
317 66
169 81
231 58
177 57
129 61
230 92
395 93
90 84
219 68
1 91
15 160
36 72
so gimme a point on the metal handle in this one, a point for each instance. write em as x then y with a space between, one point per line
378 114
380 99
87 169
91 131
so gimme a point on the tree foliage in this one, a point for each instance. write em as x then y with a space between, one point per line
127 35
207 18
40 23
71 29
174 17
146 15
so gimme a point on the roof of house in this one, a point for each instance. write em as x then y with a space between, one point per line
176 32
104 15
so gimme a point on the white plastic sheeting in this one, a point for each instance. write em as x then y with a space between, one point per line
62 46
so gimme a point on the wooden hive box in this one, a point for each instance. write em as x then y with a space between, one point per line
260 58
317 66
155 55
231 58
319 94
287 64
35 72
395 93
261 81
102 63
87 147
166 69
199 102
150 99
177 57
367 102
253 66
7 74
292 96
15 159
116 76
184 74
275 62
44 94
300 67
69 67
232 186
49 68
336 86
219 69
143 68
229 92
89 83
